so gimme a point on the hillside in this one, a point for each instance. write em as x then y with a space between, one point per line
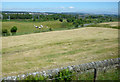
42 51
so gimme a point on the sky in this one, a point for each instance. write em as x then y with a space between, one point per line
82 7
60 0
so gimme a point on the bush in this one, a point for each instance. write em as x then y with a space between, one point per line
64 75
13 30
5 32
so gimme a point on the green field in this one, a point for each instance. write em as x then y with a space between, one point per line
28 27
48 50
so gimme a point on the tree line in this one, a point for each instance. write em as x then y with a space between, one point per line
76 20
61 17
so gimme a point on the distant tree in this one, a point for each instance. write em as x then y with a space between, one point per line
79 21
82 25
55 18
74 22
50 29
34 19
13 30
70 20
100 21
76 25
111 20
61 20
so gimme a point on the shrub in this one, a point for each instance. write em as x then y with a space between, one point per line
5 32
13 30
64 75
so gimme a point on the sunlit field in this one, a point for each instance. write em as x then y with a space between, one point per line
54 49
110 23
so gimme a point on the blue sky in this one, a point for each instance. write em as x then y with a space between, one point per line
60 0
83 7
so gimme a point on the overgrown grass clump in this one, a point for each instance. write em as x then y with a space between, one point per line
65 75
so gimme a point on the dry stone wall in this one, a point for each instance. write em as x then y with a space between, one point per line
87 67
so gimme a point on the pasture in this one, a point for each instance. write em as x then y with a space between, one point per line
48 50
28 27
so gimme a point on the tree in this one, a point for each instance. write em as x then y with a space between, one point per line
61 20
13 30
82 25
34 19
76 25
70 20
50 29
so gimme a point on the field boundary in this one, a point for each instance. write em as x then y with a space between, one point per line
87 67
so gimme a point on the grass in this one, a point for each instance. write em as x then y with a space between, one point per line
110 23
106 25
109 74
48 50
65 75
28 27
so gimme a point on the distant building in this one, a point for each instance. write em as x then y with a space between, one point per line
15 13
31 13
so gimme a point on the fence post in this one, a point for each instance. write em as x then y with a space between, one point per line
95 74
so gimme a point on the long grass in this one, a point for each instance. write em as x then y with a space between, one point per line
109 74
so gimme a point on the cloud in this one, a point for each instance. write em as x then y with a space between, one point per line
71 7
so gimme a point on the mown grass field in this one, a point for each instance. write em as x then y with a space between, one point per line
48 50
28 27
110 23
113 25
